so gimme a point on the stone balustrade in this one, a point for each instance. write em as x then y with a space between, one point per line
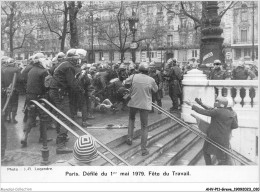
244 94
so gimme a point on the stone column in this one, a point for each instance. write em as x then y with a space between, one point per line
195 84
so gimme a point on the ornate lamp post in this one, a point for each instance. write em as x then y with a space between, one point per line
212 41
133 28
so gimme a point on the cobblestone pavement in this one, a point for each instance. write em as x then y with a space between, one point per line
31 155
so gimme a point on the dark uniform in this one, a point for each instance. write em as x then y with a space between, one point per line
62 84
35 90
7 77
157 96
218 74
174 78
241 73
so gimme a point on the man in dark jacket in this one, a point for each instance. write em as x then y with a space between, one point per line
8 72
174 77
35 90
223 120
156 75
62 85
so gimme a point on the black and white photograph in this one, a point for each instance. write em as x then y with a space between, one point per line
130 91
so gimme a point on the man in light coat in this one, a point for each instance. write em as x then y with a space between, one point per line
141 100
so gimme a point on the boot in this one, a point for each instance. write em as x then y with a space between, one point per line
61 147
130 132
24 139
13 120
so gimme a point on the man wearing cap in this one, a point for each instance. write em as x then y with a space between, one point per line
141 100
84 153
8 72
156 75
223 120
217 73
62 84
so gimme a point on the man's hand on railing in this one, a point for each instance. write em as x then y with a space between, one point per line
198 100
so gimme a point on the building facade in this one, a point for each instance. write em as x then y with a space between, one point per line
162 32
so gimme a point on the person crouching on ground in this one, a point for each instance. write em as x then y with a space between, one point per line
84 153
141 89
223 120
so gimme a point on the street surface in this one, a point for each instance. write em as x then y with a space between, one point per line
31 155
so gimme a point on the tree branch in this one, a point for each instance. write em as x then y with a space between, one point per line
232 3
49 26
188 15
24 37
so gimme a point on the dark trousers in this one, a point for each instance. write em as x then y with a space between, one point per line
33 112
3 137
61 101
144 121
85 106
13 104
174 97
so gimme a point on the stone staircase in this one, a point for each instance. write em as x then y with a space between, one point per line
168 143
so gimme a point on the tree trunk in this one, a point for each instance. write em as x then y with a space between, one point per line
122 55
65 24
11 34
73 11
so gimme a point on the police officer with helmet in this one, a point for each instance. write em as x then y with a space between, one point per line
218 73
156 75
63 83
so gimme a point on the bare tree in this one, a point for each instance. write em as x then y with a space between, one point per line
15 19
52 13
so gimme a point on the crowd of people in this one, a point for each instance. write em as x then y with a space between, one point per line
75 86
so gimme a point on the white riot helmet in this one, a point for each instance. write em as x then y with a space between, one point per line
37 57
54 60
72 54
81 53
60 56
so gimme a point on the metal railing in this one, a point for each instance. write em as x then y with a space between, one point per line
202 135
41 106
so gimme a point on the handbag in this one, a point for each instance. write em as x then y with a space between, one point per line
127 97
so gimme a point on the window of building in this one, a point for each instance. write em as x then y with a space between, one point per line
244 13
153 54
243 35
111 56
238 54
169 40
194 53
247 52
100 55
183 23
159 9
